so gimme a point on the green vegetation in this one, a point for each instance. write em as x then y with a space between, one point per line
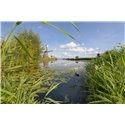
61 30
106 77
22 79
77 57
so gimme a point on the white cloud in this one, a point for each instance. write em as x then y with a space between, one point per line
73 47
65 53
89 49
77 49
68 45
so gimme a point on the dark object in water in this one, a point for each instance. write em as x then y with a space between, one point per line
76 74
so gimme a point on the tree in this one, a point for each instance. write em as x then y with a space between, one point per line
77 57
32 43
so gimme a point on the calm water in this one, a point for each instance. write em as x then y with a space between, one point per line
73 90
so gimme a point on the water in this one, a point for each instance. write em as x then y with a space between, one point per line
72 91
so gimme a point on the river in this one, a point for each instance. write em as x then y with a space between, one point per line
74 90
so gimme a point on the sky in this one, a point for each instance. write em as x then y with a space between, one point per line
93 38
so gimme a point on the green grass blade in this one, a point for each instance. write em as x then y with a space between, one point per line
52 88
75 26
123 61
18 22
8 93
61 30
106 100
52 100
12 29
12 68
97 102
23 47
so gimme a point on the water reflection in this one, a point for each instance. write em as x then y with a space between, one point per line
76 61
73 91
45 64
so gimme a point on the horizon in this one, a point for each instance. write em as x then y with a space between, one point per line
94 37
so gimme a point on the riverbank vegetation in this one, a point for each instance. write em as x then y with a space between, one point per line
23 80
106 77
80 59
21 77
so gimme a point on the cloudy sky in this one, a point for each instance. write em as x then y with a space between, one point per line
93 37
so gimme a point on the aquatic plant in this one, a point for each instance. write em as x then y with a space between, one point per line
106 77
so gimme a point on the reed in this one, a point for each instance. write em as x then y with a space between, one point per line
22 79
106 77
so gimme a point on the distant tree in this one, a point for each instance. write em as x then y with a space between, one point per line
32 43
77 57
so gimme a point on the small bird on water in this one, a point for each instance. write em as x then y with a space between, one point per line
76 74
75 70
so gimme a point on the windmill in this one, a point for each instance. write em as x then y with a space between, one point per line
45 54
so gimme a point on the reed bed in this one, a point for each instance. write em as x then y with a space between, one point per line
106 77
22 79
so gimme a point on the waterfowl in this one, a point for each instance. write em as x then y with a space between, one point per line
76 74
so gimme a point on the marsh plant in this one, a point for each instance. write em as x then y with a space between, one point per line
22 79
106 77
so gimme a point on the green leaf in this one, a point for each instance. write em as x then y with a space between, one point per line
52 100
52 88
75 26
12 68
8 93
123 61
61 30
23 47
12 29
97 102
18 23
106 100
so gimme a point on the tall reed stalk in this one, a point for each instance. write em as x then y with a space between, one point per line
106 77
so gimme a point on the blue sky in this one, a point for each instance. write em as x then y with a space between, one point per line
94 36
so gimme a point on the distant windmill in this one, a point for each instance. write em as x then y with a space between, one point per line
45 54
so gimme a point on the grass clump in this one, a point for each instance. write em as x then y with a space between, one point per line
106 77
22 79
